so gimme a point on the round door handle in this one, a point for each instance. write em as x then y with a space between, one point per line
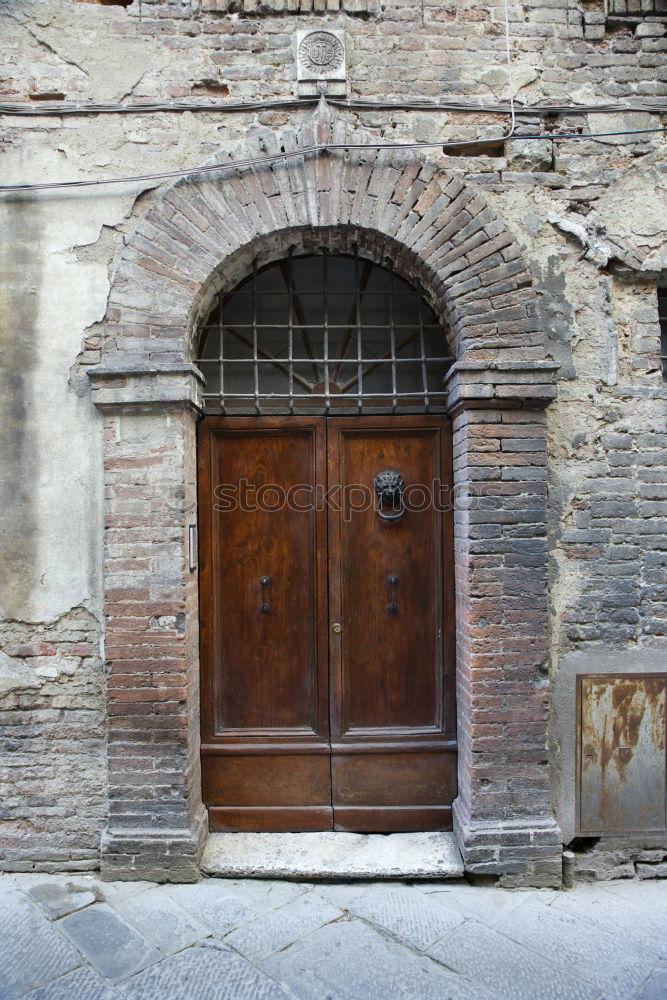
336 627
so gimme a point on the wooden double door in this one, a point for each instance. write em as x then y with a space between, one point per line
327 623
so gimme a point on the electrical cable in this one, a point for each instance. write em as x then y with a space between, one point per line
656 107
304 151
57 108
62 109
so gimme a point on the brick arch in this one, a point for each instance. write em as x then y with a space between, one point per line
202 234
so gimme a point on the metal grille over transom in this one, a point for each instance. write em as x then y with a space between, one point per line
323 333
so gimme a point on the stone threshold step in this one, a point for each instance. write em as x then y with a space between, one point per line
331 855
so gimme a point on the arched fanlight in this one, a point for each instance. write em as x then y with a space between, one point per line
322 333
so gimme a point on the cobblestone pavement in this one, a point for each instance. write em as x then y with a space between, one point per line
66 937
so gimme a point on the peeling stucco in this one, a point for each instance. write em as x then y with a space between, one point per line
590 220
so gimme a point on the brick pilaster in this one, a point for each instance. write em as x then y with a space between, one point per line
156 823
503 815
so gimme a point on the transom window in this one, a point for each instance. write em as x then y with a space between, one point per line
311 334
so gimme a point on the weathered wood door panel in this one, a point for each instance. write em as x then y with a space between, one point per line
265 727
327 699
391 722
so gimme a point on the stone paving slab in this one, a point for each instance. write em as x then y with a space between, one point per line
631 920
342 894
654 893
596 955
655 987
332 855
211 904
277 930
111 892
405 913
82 984
351 961
509 970
33 951
231 939
168 926
204 973
260 896
486 904
58 900
111 945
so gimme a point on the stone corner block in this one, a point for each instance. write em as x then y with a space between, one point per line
154 855
501 383
526 851
143 385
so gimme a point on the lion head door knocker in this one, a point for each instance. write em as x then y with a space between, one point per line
389 489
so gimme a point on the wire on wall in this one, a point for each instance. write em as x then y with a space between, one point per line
66 109
479 145
212 168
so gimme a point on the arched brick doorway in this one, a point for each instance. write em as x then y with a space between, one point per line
201 236
326 608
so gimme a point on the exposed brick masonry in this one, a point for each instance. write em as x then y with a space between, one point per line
450 242
52 749
441 235
151 645
550 236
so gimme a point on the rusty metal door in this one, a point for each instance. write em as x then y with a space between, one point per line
621 766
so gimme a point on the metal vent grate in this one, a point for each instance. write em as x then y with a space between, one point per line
319 333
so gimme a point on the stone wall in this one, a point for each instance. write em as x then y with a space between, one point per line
590 219
53 771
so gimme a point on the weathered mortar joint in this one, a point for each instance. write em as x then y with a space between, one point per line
601 859
273 8
34 653
602 251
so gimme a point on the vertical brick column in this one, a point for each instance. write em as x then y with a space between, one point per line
157 822
503 816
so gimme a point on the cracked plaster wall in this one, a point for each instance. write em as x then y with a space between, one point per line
590 217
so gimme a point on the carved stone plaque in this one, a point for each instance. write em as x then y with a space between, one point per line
320 55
